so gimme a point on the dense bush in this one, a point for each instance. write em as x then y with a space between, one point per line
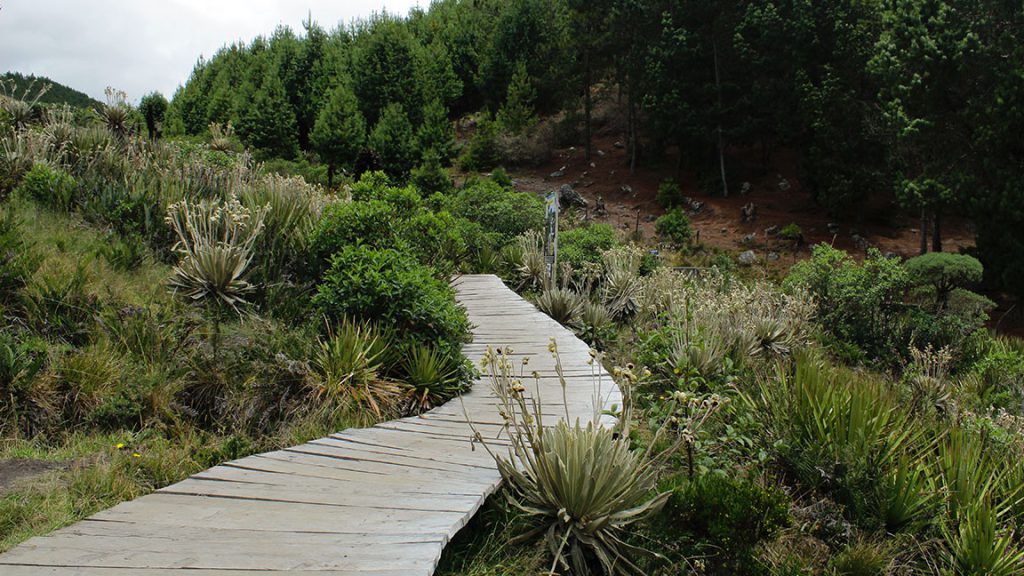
51 187
370 223
670 195
391 288
585 244
726 518
505 212
674 227
436 240
944 273
857 304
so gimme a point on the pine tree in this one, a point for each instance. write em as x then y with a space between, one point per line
437 132
339 132
394 142
516 114
267 122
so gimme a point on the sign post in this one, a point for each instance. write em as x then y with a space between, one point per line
551 235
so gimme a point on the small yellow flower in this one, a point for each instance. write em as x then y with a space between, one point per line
120 445
136 455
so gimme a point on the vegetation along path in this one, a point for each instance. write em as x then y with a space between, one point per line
381 501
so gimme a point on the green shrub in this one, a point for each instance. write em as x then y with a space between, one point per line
500 177
500 210
371 223
944 272
436 240
394 142
482 154
729 516
670 195
391 288
791 232
51 187
857 304
431 176
586 244
371 186
674 227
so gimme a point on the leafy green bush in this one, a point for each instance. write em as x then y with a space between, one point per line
674 227
729 516
436 240
391 288
791 232
505 212
51 187
857 304
670 195
371 223
585 244
944 272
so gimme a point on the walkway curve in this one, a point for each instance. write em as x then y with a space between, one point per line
380 501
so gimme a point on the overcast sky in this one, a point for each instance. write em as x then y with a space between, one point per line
144 45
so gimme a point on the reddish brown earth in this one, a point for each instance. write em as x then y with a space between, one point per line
719 223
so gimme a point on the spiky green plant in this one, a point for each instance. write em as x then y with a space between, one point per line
432 376
215 243
526 257
621 286
116 114
594 323
561 304
582 485
348 367
976 545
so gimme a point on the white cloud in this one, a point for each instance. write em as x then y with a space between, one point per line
144 45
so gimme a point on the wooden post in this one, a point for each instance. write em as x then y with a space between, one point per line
551 235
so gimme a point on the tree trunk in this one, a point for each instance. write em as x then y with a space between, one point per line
721 146
631 133
937 232
924 231
586 103
330 175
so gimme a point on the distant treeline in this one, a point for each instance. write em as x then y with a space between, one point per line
917 100
21 85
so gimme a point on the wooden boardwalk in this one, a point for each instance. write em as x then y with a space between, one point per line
381 501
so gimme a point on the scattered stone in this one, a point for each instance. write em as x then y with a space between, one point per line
748 258
599 208
725 230
745 189
626 189
592 165
860 242
618 144
891 256
749 239
692 205
784 185
748 213
771 231
600 153
557 174
772 256
568 196
650 218
833 228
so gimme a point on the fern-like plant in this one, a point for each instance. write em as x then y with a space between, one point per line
348 368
